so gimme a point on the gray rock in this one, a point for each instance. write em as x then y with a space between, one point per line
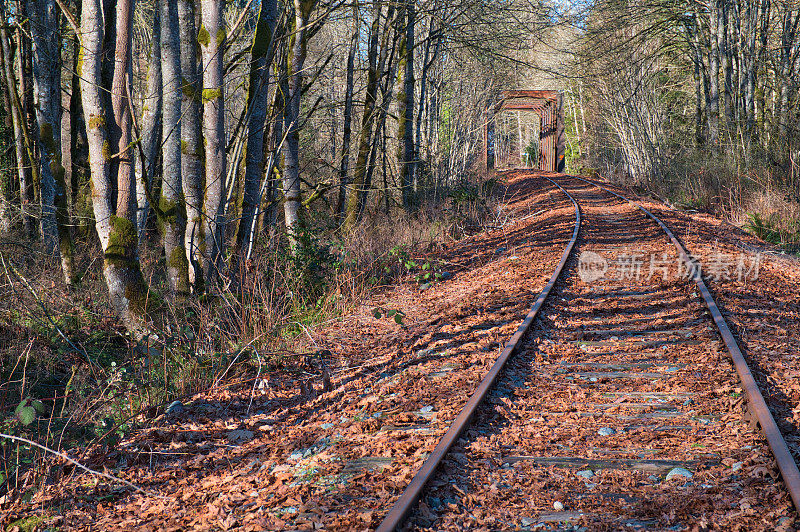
652 478
446 276
737 466
175 408
558 506
326 426
527 521
606 431
586 473
679 472
235 436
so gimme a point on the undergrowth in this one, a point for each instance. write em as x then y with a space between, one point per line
75 381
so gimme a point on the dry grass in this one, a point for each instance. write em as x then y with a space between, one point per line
65 348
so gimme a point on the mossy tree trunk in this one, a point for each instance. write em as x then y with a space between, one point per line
7 162
172 206
25 187
191 144
47 90
257 103
78 148
151 129
298 46
376 62
211 37
116 229
344 160
24 78
405 105
120 128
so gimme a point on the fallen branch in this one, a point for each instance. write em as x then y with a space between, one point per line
81 466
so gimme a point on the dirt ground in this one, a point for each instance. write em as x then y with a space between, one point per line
280 456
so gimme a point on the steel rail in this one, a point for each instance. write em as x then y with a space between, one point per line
410 496
756 402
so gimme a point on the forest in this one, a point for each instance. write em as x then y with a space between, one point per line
190 188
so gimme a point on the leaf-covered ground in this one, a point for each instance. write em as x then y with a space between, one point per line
286 455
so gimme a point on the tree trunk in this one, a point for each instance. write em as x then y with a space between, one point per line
78 149
191 144
151 129
6 177
291 151
261 55
120 106
428 59
172 205
25 187
344 160
713 111
405 112
118 238
45 37
727 63
24 75
211 37
374 70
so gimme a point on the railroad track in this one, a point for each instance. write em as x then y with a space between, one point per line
621 402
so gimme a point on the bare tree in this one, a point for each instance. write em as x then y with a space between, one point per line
291 152
47 90
191 143
114 219
211 37
405 111
151 128
172 204
261 54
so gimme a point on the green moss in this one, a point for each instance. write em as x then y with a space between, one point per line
58 171
140 299
177 261
79 65
106 150
203 37
168 208
211 94
220 36
184 147
261 38
96 122
66 246
46 136
27 524
122 236
122 242
188 89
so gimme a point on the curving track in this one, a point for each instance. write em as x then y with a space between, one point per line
621 408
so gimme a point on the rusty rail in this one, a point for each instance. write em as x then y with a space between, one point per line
756 402
411 495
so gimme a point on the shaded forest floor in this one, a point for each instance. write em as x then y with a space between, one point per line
299 452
